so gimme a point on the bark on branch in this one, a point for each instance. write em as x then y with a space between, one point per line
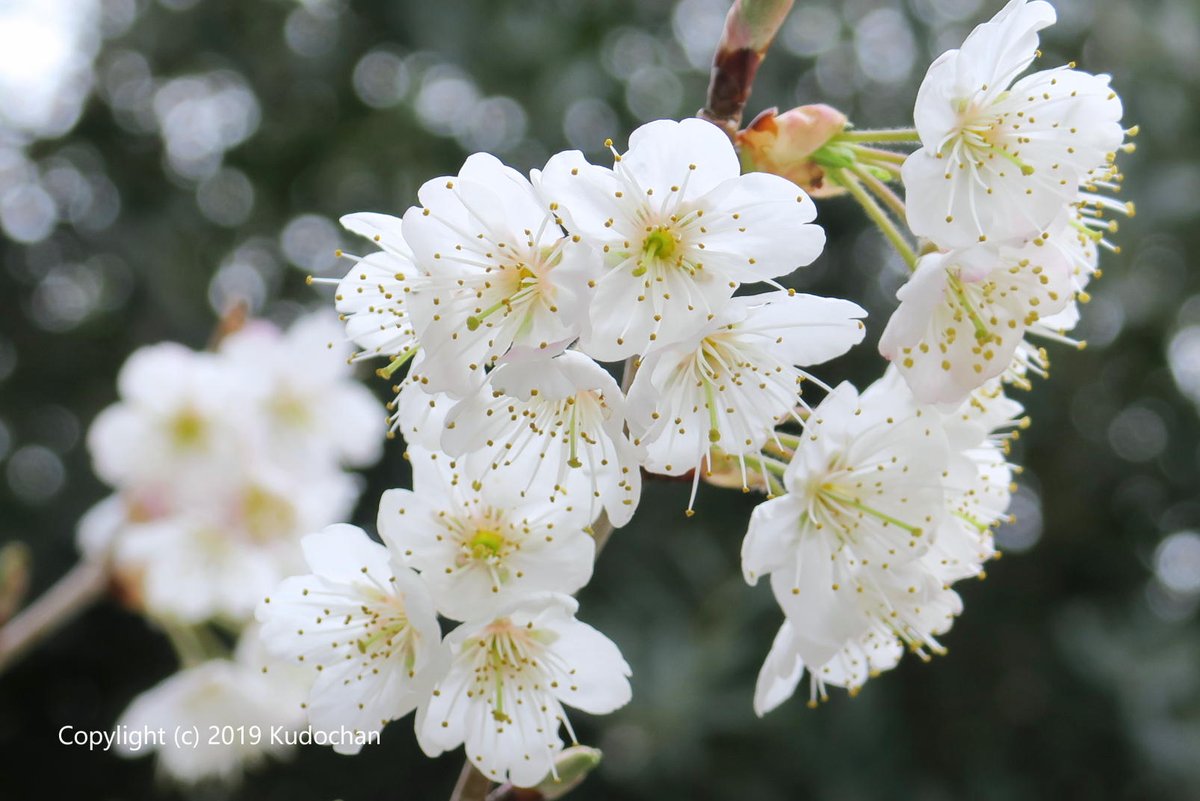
749 29
472 785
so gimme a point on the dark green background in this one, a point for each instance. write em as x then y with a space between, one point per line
1074 673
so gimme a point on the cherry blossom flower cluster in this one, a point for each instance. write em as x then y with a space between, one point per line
504 295
221 461
1008 190
554 338
892 494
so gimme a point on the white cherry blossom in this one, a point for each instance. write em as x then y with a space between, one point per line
176 417
304 400
679 228
978 480
510 676
1000 159
245 691
976 487
872 653
559 424
843 546
963 313
478 544
419 415
372 298
364 623
729 384
219 556
499 270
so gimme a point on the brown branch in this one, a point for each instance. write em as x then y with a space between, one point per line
749 29
472 785
69 596
507 792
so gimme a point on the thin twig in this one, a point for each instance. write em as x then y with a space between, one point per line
749 29
69 596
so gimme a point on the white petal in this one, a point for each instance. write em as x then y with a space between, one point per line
759 227
780 673
666 153
596 678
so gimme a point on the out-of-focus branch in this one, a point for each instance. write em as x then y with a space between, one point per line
233 319
14 578
506 792
67 598
749 29
472 785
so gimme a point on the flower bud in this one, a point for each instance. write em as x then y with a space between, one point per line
783 144
572 766
722 470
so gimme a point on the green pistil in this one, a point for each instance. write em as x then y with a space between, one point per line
396 363
573 461
383 634
498 712
972 522
659 245
714 430
476 320
496 663
1026 169
486 543
854 503
982 332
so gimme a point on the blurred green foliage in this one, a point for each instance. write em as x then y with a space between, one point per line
1075 670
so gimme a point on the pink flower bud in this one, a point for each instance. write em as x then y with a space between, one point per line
783 144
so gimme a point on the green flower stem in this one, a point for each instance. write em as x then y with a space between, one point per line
881 191
792 441
772 468
189 645
878 216
881 135
879 155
